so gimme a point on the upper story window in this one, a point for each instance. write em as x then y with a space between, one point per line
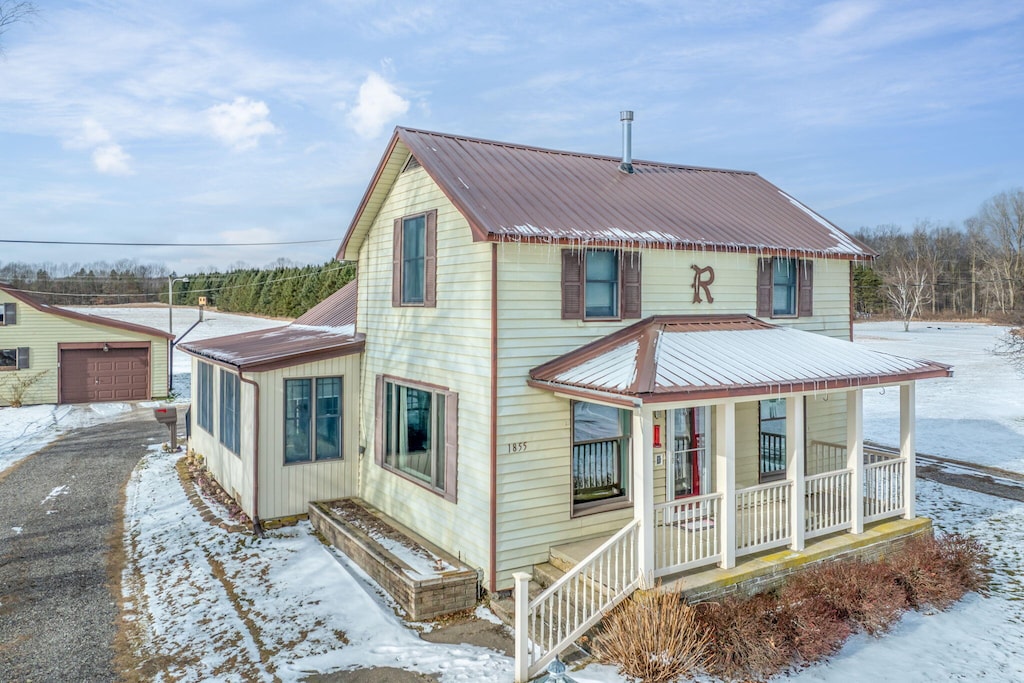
600 284
414 267
785 287
8 314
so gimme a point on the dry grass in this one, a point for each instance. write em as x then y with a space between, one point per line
653 637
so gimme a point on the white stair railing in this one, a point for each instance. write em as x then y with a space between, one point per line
548 624
762 517
685 533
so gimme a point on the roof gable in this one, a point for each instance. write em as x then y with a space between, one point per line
519 193
31 301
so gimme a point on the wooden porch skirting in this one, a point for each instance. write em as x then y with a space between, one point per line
764 571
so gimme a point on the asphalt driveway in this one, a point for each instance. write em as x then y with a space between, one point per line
60 516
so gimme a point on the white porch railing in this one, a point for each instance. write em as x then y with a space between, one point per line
685 533
883 489
827 502
762 517
825 457
563 612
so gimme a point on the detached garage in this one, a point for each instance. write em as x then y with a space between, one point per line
70 357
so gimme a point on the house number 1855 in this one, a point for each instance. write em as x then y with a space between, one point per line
517 447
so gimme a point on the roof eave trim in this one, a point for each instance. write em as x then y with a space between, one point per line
284 361
343 251
572 392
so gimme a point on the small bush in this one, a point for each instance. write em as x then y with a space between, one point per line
865 593
922 572
818 630
653 637
968 560
751 638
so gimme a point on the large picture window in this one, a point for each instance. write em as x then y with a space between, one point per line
600 453
230 410
204 396
772 432
418 433
312 419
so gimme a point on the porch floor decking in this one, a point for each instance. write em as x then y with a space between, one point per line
760 568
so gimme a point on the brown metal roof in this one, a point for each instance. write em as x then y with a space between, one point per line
30 300
277 347
519 193
674 358
335 311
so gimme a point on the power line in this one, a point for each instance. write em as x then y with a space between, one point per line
169 244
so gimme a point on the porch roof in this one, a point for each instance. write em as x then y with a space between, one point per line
277 347
678 358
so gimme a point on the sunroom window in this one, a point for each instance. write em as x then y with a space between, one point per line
312 420
600 453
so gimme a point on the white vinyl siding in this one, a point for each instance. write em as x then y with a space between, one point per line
446 346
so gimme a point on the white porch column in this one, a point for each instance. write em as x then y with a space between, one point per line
725 479
908 413
643 490
795 469
855 457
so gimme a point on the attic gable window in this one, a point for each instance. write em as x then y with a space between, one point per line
414 266
785 287
600 284
8 314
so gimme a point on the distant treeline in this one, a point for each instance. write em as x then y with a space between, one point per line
282 289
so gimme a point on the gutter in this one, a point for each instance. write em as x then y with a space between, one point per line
493 557
257 528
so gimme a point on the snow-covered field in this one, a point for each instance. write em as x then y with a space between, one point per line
227 607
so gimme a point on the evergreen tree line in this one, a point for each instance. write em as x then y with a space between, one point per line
279 290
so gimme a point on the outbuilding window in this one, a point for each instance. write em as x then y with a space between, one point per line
14 359
312 419
417 433
8 314
230 411
785 287
414 267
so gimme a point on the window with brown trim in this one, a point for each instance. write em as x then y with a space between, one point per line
8 314
785 287
14 359
414 265
312 419
600 284
417 433
600 454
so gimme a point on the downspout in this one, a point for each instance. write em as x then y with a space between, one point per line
257 529
493 560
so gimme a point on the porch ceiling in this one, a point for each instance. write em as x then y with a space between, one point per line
678 358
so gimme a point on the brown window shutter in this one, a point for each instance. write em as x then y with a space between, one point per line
805 294
451 446
396 265
764 287
23 358
430 261
631 299
379 418
572 285
10 314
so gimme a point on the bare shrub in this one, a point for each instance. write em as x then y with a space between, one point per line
968 560
818 630
14 386
924 576
865 593
653 637
751 638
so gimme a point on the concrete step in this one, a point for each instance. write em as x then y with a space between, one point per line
546 574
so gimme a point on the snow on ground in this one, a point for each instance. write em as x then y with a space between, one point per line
214 324
231 607
25 430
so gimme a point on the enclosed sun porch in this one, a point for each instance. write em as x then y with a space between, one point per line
729 438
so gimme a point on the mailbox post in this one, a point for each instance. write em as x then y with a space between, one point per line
168 415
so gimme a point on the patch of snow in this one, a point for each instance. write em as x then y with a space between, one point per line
57 491
484 613
17 530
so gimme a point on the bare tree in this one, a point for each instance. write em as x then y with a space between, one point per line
1002 217
13 11
907 289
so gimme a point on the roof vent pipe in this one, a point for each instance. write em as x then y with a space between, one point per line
627 141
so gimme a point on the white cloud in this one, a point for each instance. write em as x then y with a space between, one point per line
378 103
242 123
840 17
112 160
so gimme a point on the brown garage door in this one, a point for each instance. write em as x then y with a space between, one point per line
88 375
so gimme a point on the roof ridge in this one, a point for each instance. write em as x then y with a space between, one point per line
569 153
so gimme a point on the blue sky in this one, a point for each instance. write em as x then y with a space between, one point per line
232 120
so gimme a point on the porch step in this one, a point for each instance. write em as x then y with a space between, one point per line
505 608
546 574
568 555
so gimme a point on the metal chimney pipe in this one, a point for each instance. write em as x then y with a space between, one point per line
627 141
